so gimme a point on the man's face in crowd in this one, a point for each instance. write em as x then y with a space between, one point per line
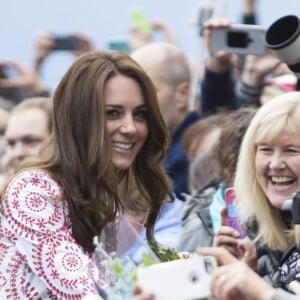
25 132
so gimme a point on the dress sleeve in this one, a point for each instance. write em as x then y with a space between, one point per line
36 218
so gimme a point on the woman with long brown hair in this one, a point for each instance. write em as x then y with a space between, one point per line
107 131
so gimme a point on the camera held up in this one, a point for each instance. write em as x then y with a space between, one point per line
283 38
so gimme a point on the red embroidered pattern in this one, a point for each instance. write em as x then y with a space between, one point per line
39 257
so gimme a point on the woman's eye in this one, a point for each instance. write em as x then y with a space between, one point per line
141 115
112 113
291 150
264 149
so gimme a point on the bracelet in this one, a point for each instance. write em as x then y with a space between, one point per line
248 94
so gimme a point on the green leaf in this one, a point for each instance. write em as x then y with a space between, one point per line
147 260
162 252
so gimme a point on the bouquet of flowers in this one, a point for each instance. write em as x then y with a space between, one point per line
117 268
120 271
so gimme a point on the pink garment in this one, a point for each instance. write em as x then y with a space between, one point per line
39 258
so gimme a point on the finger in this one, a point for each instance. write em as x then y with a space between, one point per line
246 245
222 255
11 82
137 290
225 241
226 230
217 22
18 67
224 216
140 295
6 83
218 281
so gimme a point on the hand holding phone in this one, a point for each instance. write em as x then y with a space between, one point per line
139 21
119 44
240 39
8 71
65 42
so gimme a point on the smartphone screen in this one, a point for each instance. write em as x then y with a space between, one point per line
67 43
232 219
119 44
238 39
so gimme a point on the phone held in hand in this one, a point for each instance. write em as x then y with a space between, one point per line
139 21
240 39
7 71
232 218
119 44
65 42
181 279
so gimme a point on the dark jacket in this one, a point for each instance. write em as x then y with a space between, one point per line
217 91
176 161
270 262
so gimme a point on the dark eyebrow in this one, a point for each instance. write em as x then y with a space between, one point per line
24 137
113 105
120 106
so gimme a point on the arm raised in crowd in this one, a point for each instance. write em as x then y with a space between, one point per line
217 85
45 46
23 77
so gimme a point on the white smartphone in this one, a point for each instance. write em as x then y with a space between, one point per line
182 279
240 39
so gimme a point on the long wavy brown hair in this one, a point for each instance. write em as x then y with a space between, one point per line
79 150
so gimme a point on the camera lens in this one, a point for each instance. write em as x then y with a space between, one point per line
283 32
283 38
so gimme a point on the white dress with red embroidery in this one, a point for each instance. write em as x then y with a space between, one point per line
39 258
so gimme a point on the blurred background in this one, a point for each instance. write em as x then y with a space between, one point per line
101 20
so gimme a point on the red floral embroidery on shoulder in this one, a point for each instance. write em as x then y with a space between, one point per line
38 254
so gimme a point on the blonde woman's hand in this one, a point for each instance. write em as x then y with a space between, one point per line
227 237
242 249
247 252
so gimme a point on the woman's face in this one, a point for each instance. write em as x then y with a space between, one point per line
126 119
278 168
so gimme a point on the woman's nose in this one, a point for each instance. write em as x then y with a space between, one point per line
277 161
128 125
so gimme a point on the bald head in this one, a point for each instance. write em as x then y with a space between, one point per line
169 70
164 61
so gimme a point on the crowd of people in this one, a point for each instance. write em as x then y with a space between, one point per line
124 138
